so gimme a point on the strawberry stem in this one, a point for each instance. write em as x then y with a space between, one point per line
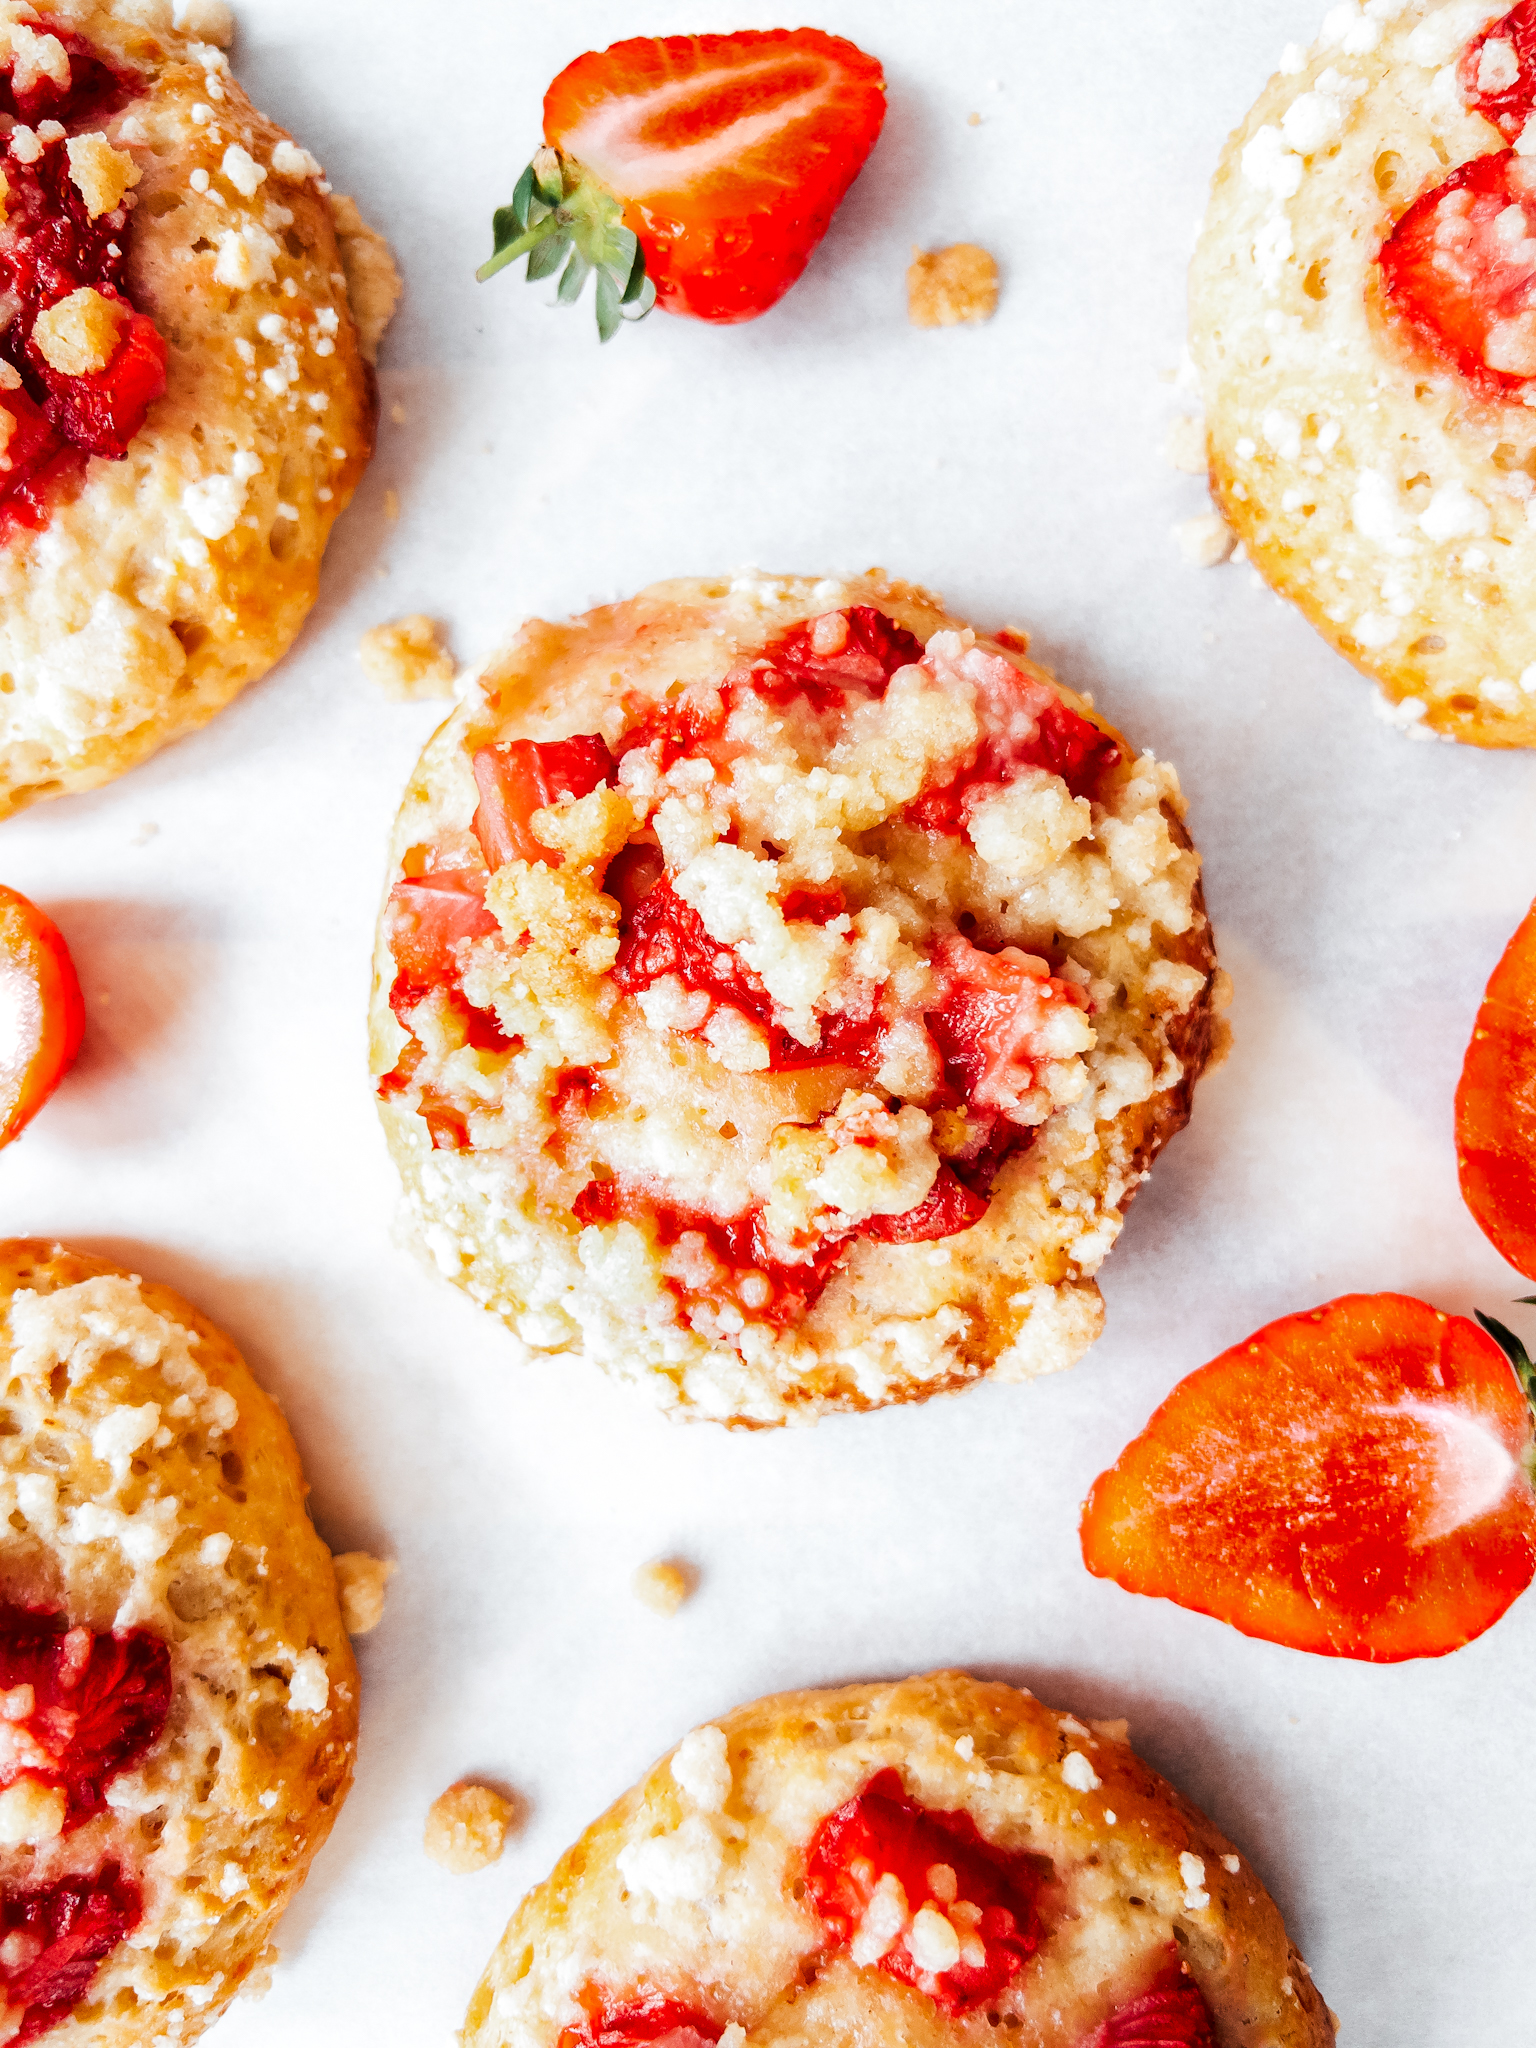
558 214
1514 1350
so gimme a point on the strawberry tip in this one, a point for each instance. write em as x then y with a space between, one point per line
559 214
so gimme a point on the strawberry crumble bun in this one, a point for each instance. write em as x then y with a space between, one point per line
178 1699
936 1862
1363 307
186 397
781 992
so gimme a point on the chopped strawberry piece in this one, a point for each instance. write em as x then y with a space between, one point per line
728 154
52 248
650 2017
1460 267
1497 71
430 920
98 1704
95 91
904 1886
859 648
948 1206
67 1929
1024 725
632 874
664 935
43 1007
1173 2014
515 778
1353 1481
1496 1106
102 413
994 1024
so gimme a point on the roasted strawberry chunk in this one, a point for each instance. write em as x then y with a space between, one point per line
53 1937
948 1206
1000 1021
1460 268
826 657
1024 725
646 2017
94 91
1497 71
515 778
923 1897
77 1708
1172 2014
431 918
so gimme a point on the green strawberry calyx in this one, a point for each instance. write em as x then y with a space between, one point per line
1520 1359
559 214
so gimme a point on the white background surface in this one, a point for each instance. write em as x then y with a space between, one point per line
218 1132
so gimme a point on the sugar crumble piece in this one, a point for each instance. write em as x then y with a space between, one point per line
407 659
397 413
373 284
360 1583
1232 1864
100 173
1184 444
392 505
1077 1772
663 1585
467 1827
78 336
210 21
946 287
1205 541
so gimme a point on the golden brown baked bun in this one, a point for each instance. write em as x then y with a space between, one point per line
178 1699
933 1862
1373 481
808 1059
162 582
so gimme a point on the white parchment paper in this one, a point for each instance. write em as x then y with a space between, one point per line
218 1132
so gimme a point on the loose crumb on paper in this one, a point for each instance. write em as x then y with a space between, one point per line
1205 540
467 1827
391 505
1184 444
664 1584
947 287
360 1583
407 659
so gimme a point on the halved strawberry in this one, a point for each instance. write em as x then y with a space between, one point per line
1497 71
42 1008
693 172
1496 1106
1460 267
1355 1481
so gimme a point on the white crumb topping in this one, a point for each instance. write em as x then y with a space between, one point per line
310 1687
683 1865
242 171
1192 1871
1078 1772
702 1768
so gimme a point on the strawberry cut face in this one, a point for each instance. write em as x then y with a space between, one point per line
515 778
77 1708
729 154
922 1897
53 1938
1353 1481
1460 268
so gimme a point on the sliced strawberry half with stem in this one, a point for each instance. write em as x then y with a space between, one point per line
1356 1481
692 172
1496 1106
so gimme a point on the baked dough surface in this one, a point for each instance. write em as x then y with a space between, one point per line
694 1884
189 1524
181 573
1369 481
1108 894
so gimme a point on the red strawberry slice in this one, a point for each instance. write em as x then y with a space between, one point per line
949 1206
59 1934
1355 1481
515 778
1496 1106
649 2017
700 171
1460 268
905 1887
1173 2014
1497 71
97 1704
